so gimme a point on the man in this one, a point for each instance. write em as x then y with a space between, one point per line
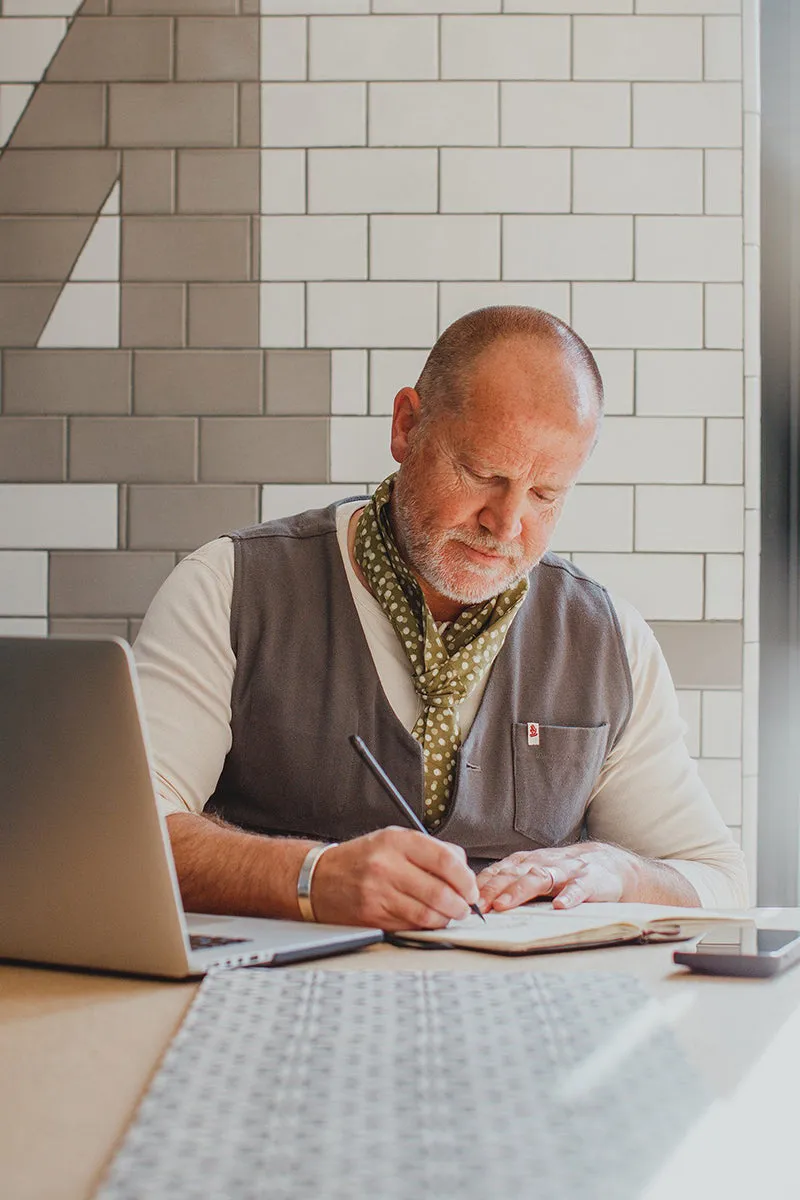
530 721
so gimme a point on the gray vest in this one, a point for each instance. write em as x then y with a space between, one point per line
305 680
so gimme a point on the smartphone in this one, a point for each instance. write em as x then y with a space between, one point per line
756 952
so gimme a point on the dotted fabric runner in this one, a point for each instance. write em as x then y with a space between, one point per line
446 665
411 1085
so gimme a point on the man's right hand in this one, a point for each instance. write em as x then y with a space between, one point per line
393 879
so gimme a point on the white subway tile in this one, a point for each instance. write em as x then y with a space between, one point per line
724 587
27 46
752 575
23 626
313 114
687 114
596 518
313 248
283 181
58 516
638 181
41 8
725 450
349 382
13 99
689 248
689 383
685 518
433 114
723 778
360 448
723 316
569 6
651 315
722 48
85 315
282 315
456 299
567 247
723 182
505 180
391 370
367 181
637 48
565 114
283 48
285 499
752 443
371 314
435 6
752 310
688 6
435 247
505 47
372 47
689 706
750 708
23 583
722 724
99 258
663 587
306 7
752 178
647 450
751 60
616 369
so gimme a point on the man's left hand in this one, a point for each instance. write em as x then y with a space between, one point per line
570 874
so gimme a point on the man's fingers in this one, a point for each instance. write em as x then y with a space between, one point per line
443 860
538 881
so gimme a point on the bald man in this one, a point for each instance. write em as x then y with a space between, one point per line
528 719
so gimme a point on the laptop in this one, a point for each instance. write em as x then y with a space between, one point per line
87 877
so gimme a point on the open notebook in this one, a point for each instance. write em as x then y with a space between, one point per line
541 927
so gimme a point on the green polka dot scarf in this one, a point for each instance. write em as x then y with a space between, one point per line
446 665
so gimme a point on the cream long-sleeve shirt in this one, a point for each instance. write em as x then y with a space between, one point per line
648 796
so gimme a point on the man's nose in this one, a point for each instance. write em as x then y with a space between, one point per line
502 516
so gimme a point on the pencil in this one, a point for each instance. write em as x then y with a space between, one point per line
392 791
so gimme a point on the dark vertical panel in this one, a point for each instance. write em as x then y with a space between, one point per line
779 762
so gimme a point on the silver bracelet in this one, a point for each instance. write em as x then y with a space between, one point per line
305 877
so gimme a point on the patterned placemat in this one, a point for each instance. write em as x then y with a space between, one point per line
374 1085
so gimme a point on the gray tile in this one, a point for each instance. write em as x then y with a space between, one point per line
264 449
249 114
106 583
32 449
186 248
223 314
148 181
94 8
702 653
174 7
182 518
217 48
86 627
118 48
66 381
41 249
198 382
24 309
153 314
132 449
63 114
218 181
172 114
56 181
298 381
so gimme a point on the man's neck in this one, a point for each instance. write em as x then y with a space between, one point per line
441 608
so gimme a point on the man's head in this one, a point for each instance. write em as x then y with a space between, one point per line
490 442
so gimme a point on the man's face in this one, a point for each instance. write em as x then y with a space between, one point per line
479 492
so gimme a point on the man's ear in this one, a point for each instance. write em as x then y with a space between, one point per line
405 419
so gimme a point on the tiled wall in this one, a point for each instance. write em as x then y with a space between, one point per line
227 237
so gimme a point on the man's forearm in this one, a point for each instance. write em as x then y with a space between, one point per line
659 883
222 869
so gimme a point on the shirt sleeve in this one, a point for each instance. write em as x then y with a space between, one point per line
185 666
649 796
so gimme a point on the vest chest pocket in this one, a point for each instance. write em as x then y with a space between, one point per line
553 781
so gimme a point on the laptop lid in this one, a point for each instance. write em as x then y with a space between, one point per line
87 877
